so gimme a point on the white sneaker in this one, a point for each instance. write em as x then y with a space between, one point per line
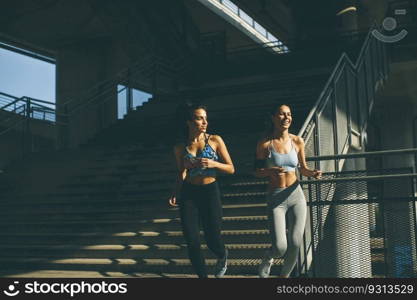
265 267
221 266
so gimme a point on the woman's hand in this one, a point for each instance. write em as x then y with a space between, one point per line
206 163
276 171
316 174
190 163
173 201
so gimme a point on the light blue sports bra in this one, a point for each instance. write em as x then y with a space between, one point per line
207 152
289 161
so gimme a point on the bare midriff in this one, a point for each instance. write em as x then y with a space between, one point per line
200 180
282 181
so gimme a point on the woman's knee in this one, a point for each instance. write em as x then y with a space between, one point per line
280 248
214 242
193 243
297 240
193 247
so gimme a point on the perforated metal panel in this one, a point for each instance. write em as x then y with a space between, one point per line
367 228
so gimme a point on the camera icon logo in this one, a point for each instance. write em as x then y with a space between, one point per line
390 24
11 290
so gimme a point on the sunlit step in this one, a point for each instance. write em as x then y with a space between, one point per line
128 220
94 274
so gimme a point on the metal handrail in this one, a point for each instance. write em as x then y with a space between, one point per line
344 64
25 99
121 76
363 154
103 92
362 178
25 109
43 108
107 81
10 104
8 95
40 101
344 59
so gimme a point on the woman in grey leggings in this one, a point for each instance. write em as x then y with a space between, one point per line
277 156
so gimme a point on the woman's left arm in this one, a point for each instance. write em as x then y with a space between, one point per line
304 170
226 166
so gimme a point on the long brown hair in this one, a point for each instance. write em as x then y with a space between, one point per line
269 125
184 113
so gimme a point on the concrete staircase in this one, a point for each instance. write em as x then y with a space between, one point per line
112 220
102 211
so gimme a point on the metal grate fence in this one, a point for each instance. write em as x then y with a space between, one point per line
361 224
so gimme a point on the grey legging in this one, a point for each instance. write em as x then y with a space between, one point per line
280 201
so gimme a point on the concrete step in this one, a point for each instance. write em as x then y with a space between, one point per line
229 223
110 227
45 273
157 265
139 213
112 198
125 237
133 251
164 250
241 266
123 216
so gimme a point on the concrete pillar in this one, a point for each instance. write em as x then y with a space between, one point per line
373 163
345 247
364 218
351 227
80 67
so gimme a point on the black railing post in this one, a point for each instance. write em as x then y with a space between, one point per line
129 97
347 103
65 128
28 115
414 209
366 79
333 102
313 232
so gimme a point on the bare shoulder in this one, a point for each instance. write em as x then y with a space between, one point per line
263 143
298 140
216 139
179 148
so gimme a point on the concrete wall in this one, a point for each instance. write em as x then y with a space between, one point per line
79 68
145 44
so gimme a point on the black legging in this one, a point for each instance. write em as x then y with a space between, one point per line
201 202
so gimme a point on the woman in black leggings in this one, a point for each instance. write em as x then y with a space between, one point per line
198 158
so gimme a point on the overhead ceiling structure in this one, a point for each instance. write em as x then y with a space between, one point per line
245 23
50 25
275 15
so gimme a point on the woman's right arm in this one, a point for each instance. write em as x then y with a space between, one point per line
181 174
261 170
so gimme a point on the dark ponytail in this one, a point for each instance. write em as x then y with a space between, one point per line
184 113
269 126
